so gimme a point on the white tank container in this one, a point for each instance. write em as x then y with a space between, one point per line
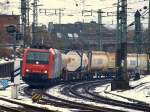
132 61
99 60
143 61
72 60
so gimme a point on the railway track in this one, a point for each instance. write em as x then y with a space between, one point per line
85 93
22 107
81 106
9 109
129 99
60 102
89 90
72 90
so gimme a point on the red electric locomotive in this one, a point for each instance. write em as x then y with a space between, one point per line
41 66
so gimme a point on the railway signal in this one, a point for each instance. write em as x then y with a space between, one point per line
11 29
16 35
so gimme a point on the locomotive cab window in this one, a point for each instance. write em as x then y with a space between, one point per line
38 57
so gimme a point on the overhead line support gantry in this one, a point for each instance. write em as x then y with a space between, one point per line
121 80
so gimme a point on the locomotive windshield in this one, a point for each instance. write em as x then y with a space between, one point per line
38 57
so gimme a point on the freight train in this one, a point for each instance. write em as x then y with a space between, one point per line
43 67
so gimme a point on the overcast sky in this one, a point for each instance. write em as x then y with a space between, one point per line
74 8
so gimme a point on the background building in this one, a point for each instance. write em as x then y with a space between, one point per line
87 36
6 20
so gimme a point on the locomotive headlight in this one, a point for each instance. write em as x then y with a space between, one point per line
27 70
45 71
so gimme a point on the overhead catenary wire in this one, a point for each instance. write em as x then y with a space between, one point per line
76 11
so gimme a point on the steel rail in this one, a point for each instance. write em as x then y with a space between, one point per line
52 100
27 107
11 109
135 102
96 98
81 105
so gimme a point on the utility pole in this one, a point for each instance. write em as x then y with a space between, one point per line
60 15
35 22
100 46
60 18
35 12
148 50
149 25
138 34
121 80
24 18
